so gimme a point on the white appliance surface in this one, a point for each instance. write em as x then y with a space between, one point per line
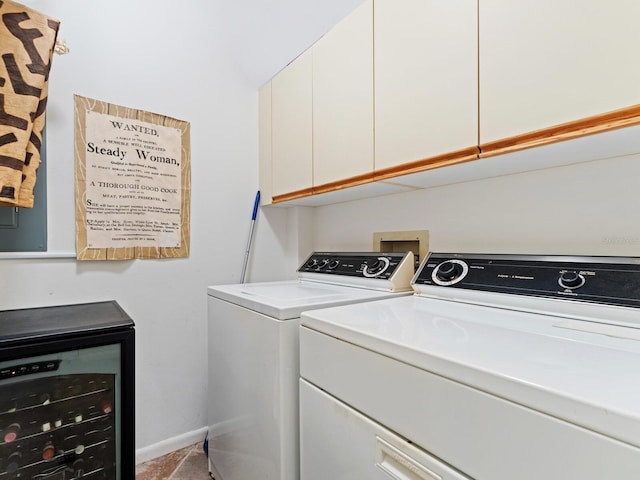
360 448
502 367
254 357
588 378
288 299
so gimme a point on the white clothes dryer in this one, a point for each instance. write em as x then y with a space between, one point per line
501 367
254 356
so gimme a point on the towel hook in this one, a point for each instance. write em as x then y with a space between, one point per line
61 47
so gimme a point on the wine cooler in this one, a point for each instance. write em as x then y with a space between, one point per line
67 393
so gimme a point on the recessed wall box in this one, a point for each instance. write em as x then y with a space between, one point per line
416 241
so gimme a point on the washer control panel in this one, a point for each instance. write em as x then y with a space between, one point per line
606 280
366 265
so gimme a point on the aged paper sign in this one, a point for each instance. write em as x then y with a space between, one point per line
132 183
131 178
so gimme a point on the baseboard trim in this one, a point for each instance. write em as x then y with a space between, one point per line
169 445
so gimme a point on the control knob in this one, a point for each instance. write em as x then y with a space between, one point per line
449 272
571 280
312 263
323 263
376 267
334 264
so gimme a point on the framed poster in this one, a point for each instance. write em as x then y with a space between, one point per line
133 183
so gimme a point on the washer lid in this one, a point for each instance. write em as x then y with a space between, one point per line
587 378
288 299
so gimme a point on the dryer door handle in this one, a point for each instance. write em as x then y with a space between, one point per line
401 465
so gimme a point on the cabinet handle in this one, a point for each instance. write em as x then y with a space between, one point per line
400 465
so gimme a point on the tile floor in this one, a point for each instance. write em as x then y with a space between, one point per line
187 464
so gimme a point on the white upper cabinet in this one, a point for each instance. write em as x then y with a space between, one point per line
426 79
291 135
548 62
343 99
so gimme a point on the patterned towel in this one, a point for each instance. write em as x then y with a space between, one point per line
27 40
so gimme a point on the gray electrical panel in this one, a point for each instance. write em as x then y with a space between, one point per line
25 229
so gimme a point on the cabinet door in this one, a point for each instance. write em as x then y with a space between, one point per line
547 62
264 143
291 127
426 79
343 99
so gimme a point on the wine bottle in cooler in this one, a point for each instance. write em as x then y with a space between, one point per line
78 466
48 450
11 433
106 406
8 405
14 462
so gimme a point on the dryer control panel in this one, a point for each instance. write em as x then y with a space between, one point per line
603 280
391 272
365 265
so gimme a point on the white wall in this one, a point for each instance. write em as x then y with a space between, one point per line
201 61
583 209
169 58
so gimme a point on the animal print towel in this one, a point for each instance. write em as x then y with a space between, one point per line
27 40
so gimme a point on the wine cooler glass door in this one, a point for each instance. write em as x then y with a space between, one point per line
60 415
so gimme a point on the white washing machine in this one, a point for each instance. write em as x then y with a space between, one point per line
254 356
500 368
